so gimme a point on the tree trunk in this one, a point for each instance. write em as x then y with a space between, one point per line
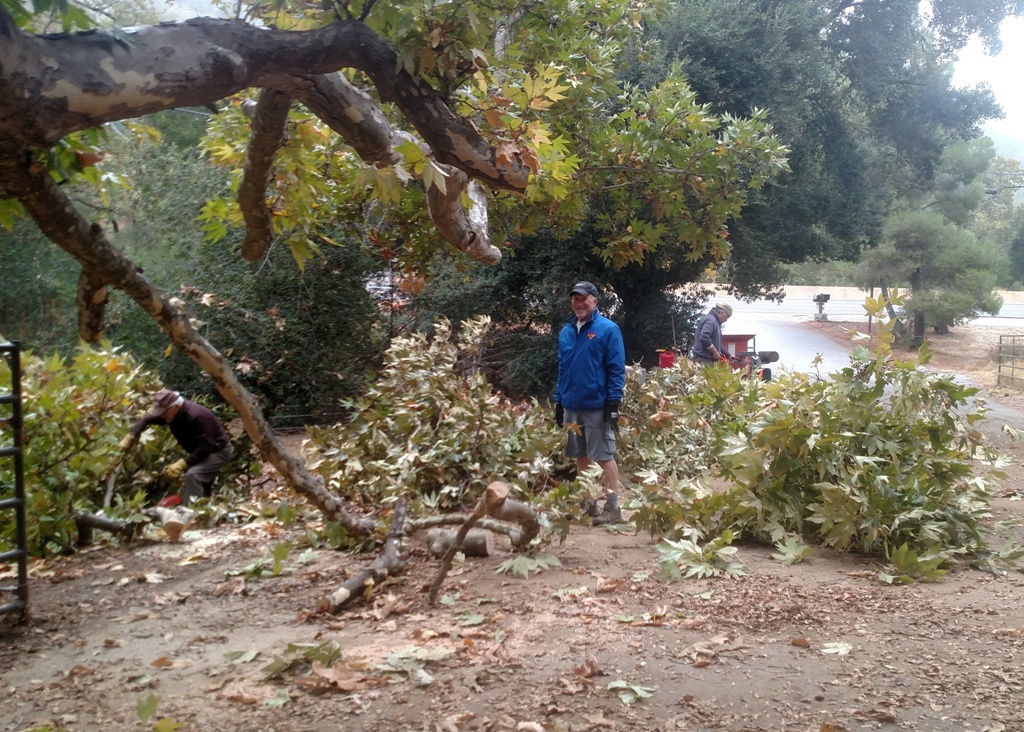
494 502
916 287
888 305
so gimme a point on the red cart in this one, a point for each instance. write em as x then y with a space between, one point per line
741 349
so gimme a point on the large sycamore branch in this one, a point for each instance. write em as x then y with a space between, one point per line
104 264
55 84
355 116
268 134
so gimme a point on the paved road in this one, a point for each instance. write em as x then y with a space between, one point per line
783 328
778 326
848 305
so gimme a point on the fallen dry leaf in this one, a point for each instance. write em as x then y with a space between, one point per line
345 678
1009 632
880 715
194 558
604 584
166 662
233 587
216 685
242 696
588 668
423 634
801 642
168 598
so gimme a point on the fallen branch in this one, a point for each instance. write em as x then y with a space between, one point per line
389 562
494 502
511 510
494 495
521 513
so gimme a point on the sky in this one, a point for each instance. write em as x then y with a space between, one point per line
1003 73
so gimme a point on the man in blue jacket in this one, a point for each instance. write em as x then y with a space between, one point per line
591 375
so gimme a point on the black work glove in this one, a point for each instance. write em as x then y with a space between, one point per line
559 415
611 414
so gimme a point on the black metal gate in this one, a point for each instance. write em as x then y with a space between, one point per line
12 497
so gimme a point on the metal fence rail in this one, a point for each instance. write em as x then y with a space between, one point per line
1011 360
12 496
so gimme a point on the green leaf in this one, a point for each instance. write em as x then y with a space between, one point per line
240 657
468 619
521 565
630 693
279 699
146 708
792 551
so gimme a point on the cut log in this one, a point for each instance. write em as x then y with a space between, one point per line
86 522
389 562
478 542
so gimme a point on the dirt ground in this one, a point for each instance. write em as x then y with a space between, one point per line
597 643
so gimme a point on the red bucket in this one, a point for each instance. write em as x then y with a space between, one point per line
666 359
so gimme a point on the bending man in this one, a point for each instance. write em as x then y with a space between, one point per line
591 376
198 432
707 338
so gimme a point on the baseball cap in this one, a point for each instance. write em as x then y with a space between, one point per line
725 308
584 288
164 400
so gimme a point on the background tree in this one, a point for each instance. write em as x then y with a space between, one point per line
861 93
929 246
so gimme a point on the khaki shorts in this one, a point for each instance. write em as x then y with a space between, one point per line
596 439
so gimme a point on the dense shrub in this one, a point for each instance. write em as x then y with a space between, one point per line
432 429
878 458
76 411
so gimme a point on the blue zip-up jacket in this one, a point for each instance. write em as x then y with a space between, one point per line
591 364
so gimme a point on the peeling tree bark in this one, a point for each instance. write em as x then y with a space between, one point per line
268 126
59 83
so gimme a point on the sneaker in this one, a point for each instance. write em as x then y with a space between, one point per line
610 514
